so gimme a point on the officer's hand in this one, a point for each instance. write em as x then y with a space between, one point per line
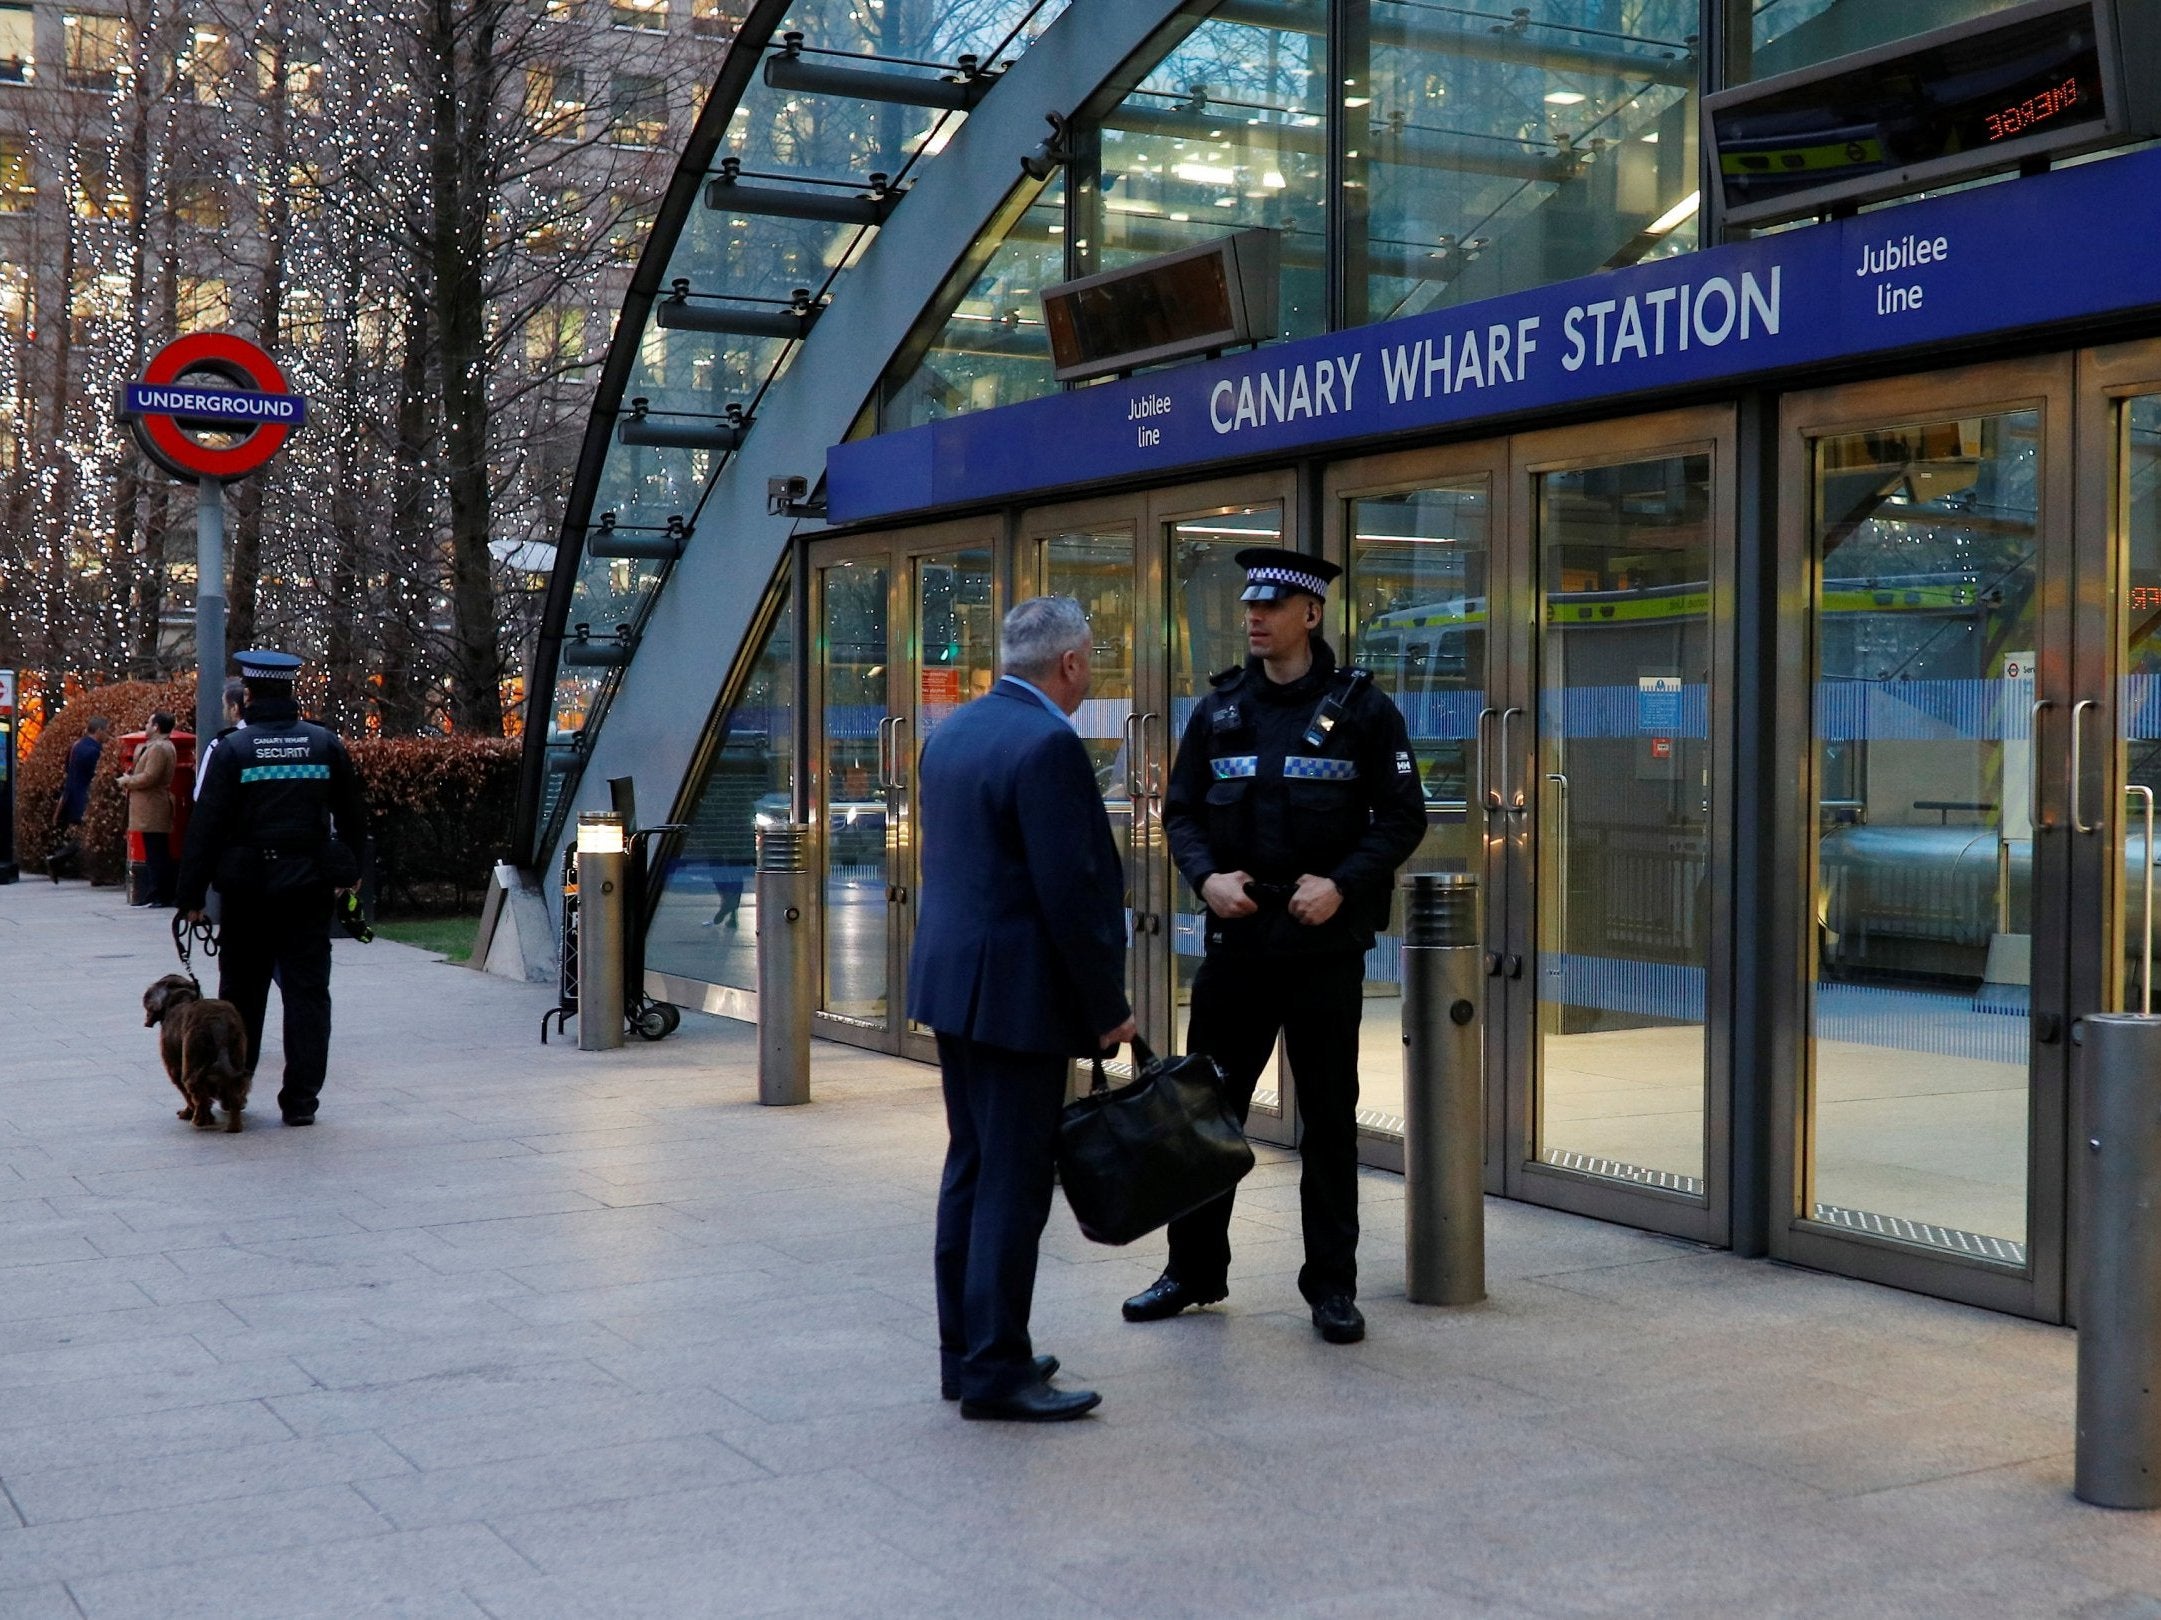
1112 1039
1315 900
1226 894
196 916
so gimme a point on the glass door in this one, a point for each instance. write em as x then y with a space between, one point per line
1939 826
1421 538
905 633
1614 821
1156 574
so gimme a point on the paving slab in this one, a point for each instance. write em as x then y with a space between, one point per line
520 1331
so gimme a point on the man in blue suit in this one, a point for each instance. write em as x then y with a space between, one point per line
1019 967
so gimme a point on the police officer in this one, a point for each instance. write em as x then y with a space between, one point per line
263 832
1294 800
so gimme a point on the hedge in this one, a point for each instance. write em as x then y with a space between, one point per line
439 808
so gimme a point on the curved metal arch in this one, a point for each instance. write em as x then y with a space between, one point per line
693 631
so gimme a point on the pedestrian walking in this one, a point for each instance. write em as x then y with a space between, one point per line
1019 967
1294 798
148 783
82 768
278 828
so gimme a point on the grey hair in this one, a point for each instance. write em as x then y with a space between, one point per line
1040 631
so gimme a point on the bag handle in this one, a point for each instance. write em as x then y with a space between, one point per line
1143 1059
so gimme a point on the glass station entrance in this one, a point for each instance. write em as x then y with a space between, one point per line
1959 654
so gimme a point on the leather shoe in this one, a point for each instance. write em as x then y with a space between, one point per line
1038 1403
1339 1320
1166 1297
1046 1368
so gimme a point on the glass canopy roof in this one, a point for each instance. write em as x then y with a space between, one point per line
686 381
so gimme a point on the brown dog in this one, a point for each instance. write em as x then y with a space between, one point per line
205 1046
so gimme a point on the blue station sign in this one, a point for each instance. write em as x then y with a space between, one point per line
214 407
2074 244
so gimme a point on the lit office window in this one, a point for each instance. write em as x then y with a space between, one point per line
201 203
651 15
637 109
18 44
100 192
202 303
555 99
715 19
95 46
297 70
204 70
18 301
18 176
95 301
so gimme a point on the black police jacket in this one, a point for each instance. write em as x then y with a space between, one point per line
280 812
1251 793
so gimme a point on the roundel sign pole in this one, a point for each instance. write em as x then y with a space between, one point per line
212 407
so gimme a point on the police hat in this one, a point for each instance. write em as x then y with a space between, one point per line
260 664
1271 574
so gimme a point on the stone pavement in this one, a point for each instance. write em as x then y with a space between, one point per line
528 1332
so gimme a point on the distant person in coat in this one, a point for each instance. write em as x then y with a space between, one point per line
82 766
1019 967
148 783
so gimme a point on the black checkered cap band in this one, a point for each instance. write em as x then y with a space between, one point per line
1292 577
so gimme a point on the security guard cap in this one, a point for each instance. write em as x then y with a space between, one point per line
261 664
1271 574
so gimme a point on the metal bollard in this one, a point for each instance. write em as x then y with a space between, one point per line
787 963
1444 1092
2118 1188
603 879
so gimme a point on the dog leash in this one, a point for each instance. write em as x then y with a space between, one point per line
186 936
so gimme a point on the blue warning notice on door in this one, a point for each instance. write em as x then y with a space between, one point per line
1658 705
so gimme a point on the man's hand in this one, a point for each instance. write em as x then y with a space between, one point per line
1226 894
195 916
1111 1039
1315 900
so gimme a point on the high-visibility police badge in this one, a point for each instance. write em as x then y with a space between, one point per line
1403 763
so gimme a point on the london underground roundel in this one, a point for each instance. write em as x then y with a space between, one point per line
211 405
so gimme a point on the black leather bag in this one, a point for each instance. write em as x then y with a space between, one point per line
1154 1149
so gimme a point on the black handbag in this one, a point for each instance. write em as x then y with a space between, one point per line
1154 1149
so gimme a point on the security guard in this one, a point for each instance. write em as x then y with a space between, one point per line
262 831
1294 800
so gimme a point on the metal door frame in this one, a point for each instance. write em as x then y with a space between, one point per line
898 551
2106 379
1707 430
1396 473
2045 385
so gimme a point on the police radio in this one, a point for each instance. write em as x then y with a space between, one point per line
1323 724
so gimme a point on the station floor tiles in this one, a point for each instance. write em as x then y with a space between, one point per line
523 1331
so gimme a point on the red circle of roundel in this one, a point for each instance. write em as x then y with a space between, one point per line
239 362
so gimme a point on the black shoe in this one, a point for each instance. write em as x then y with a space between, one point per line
1046 1368
1339 1320
299 1119
1166 1297
1038 1403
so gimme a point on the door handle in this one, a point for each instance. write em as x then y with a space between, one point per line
899 782
2145 982
1130 743
1516 803
878 776
1489 797
2078 773
2033 774
1153 754
1560 867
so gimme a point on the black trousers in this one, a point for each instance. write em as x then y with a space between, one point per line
1240 1004
160 869
1001 1112
291 940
